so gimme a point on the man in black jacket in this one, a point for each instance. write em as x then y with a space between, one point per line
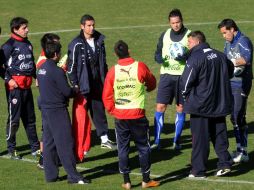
87 70
57 134
19 66
206 89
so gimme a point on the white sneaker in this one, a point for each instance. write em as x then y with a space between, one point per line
192 176
222 172
241 158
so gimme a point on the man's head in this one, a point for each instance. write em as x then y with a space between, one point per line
228 29
195 38
87 24
48 38
19 26
53 51
121 49
175 19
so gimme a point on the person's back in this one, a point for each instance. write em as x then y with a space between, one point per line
211 96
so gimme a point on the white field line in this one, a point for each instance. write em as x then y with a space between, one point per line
152 175
129 27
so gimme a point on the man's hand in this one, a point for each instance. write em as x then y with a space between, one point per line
12 84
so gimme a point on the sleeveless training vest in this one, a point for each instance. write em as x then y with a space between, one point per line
129 92
171 66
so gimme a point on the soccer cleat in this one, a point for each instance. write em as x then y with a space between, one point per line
241 157
192 176
36 153
126 186
84 181
40 166
149 184
13 155
109 145
177 146
222 172
155 146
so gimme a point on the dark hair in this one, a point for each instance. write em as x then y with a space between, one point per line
175 13
48 38
17 22
51 48
228 23
121 49
86 17
199 35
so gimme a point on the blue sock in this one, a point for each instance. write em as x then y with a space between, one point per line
179 123
158 125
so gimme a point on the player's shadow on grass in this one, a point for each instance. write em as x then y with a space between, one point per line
169 131
21 150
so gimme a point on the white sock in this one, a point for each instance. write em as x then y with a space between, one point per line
104 138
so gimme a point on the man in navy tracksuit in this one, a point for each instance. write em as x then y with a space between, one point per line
206 89
239 49
57 134
18 60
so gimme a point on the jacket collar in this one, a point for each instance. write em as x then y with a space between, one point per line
126 61
98 37
197 48
17 37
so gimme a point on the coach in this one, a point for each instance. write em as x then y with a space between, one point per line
206 89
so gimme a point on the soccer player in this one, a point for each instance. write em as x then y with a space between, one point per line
171 69
124 98
57 133
208 102
87 69
239 49
20 69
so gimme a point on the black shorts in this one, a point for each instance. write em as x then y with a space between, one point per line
168 89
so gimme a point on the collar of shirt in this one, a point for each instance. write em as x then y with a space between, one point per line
125 61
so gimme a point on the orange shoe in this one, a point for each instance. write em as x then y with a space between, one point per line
151 183
126 186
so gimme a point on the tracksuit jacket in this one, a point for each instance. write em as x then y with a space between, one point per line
205 80
19 61
80 72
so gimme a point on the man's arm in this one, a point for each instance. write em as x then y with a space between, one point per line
246 50
62 83
73 53
158 53
108 91
188 78
146 76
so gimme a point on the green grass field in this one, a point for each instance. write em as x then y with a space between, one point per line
140 24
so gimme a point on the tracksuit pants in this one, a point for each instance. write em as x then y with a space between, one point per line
138 129
98 115
203 129
21 105
81 127
58 140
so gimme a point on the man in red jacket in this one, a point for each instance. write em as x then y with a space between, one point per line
124 98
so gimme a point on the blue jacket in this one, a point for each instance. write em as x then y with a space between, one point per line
17 56
53 86
205 82
82 68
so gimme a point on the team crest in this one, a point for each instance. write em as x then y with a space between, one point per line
14 100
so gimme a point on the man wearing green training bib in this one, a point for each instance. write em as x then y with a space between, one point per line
171 47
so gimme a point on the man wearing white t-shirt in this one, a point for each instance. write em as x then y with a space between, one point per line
87 69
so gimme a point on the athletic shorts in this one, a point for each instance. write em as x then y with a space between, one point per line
168 89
